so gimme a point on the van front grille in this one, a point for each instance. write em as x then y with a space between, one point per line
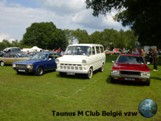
71 66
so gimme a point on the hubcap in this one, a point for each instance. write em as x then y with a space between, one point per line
90 73
2 63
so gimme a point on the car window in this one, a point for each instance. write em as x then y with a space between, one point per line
77 50
93 51
39 57
51 56
101 49
97 49
130 59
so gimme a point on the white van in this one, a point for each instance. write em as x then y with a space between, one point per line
81 59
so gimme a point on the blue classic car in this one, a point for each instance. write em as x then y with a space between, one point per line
37 64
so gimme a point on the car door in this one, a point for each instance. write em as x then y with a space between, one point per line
9 58
93 58
51 62
98 57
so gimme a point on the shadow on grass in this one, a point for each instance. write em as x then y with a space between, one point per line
156 78
77 76
32 73
128 83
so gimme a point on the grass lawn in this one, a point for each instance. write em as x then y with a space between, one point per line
34 98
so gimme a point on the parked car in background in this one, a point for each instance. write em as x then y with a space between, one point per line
81 59
130 67
112 52
1 53
37 64
12 50
57 54
108 52
116 51
9 58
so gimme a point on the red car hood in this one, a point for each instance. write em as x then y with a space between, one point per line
130 67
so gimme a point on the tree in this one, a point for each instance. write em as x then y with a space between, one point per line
81 35
111 38
4 44
44 35
143 16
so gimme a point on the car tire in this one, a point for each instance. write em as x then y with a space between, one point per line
2 63
39 71
62 74
147 82
90 73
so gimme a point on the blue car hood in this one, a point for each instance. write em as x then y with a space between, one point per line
28 61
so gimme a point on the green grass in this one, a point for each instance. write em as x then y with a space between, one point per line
33 98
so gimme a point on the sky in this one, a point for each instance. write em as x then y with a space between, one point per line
17 15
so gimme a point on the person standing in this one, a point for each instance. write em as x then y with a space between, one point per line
142 52
155 58
150 55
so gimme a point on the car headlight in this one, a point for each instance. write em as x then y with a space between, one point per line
115 72
84 62
57 60
13 65
29 66
145 74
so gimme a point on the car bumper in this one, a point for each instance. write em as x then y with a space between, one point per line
130 78
26 70
73 71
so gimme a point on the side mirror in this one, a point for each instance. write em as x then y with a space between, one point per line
49 59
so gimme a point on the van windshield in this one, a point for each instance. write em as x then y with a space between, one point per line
78 50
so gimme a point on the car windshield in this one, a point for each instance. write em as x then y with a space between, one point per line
39 57
130 59
78 50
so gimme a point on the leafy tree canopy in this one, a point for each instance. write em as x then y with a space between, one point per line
111 38
81 35
143 16
44 35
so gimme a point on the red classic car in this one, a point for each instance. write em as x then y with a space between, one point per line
130 67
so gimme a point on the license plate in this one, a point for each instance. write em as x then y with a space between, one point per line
21 70
70 73
130 79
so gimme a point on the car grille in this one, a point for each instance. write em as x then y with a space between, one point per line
20 66
130 73
71 66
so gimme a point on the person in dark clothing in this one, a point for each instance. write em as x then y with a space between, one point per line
150 55
155 58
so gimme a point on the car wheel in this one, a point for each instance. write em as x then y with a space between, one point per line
39 71
102 68
147 82
62 74
90 73
2 63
